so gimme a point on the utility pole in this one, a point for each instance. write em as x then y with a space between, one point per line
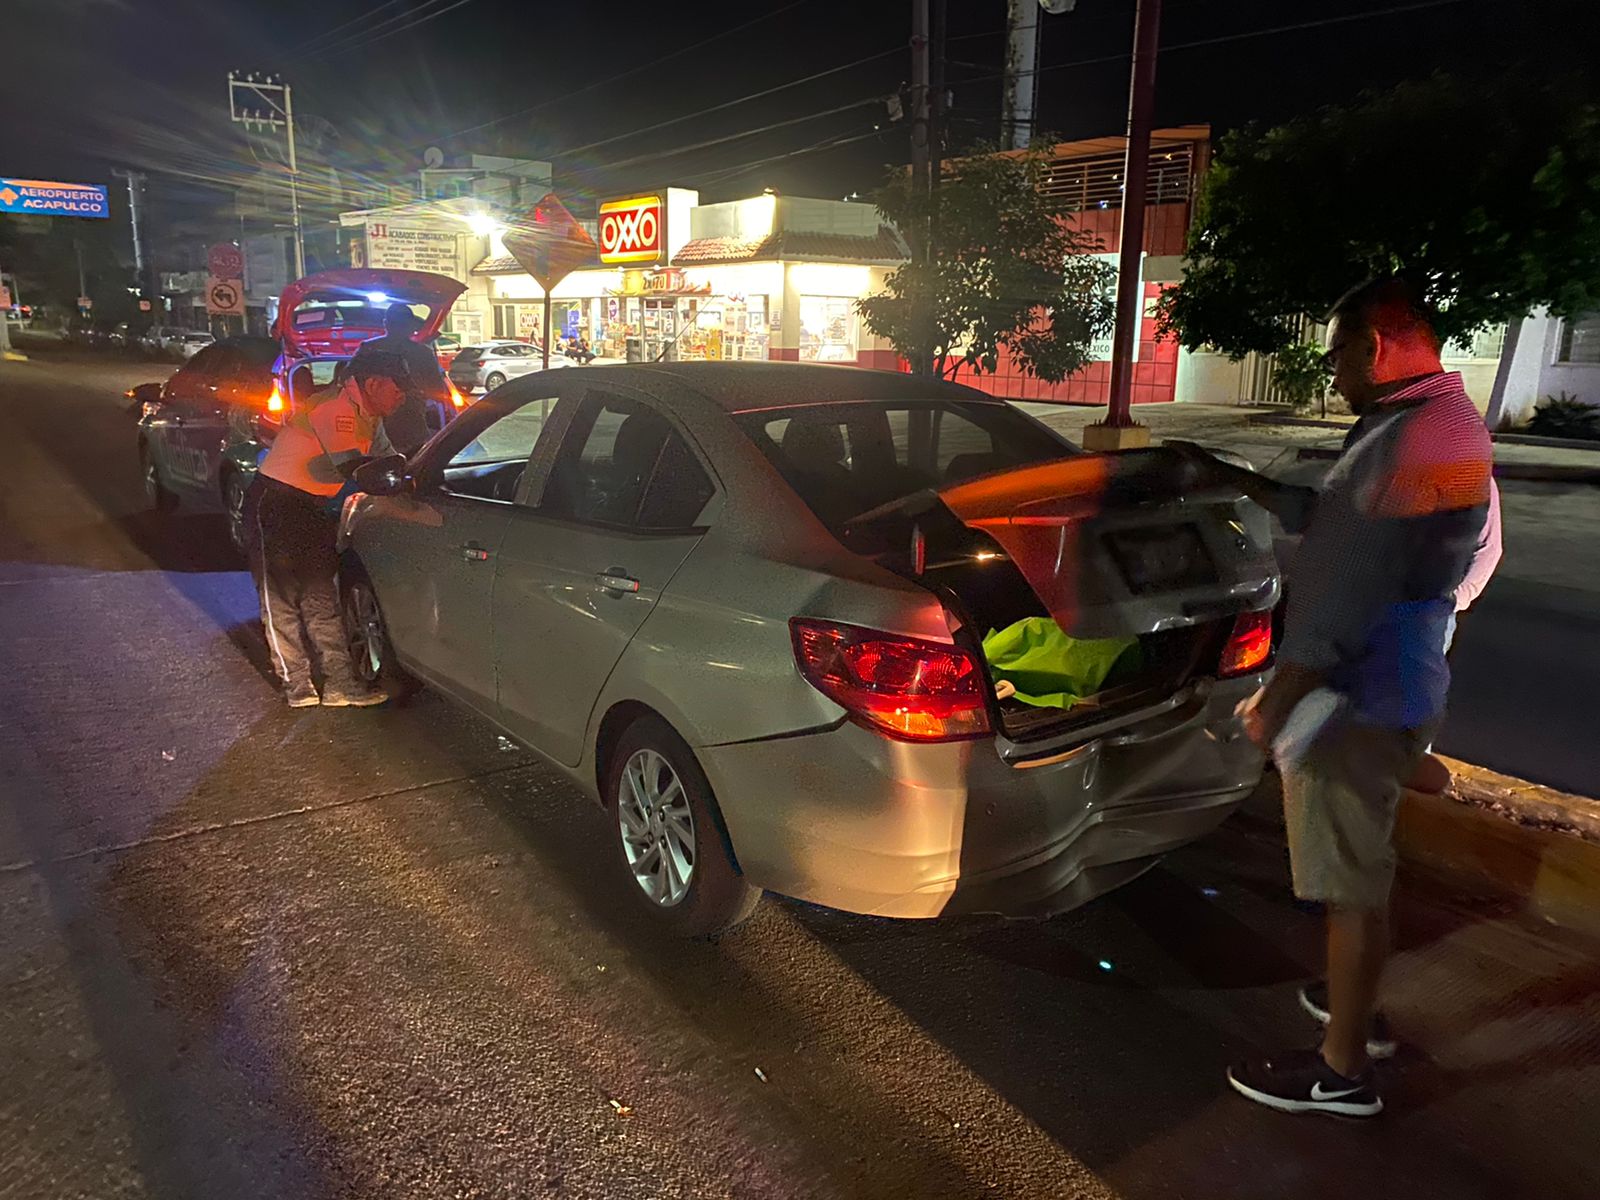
279 114
135 208
1119 431
83 281
921 188
1022 73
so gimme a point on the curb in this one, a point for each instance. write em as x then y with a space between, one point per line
1534 472
1535 847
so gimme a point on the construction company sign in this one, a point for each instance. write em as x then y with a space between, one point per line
409 248
43 198
632 230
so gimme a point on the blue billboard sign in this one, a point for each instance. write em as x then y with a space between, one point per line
41 198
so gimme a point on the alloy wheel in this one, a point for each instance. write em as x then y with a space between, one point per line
364 627
657 827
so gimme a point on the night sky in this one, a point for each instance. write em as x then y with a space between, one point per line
91 84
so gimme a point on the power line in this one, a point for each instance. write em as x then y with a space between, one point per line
632 133
731 137
368 37
828 143
625 74
339 43
1215 41
328 33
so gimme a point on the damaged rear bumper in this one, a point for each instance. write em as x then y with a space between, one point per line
852 820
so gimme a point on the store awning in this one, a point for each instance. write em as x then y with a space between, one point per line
797 245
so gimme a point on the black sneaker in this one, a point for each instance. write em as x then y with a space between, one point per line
1302 1082
1380 1042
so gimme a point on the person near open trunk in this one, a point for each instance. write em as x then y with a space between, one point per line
1387 545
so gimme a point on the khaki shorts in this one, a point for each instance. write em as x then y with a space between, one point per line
1339 807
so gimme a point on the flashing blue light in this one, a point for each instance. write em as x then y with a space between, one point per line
377 297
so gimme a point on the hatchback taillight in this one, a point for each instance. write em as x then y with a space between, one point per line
908 688
1249 646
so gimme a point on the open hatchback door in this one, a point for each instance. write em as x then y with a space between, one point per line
331 313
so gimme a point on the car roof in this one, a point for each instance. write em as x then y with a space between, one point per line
738 387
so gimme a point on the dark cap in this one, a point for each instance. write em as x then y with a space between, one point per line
400 319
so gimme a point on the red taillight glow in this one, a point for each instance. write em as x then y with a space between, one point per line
456 398
908 688
1249 646
275 400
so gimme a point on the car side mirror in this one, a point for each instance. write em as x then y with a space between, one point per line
140 395
383 476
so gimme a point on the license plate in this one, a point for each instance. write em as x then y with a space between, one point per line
1162 559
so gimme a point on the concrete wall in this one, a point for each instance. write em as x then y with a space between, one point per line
1535 373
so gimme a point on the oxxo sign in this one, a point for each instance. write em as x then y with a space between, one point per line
632 230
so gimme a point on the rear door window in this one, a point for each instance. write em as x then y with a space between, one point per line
846 459
623 464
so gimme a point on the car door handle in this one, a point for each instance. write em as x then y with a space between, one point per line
615 579
473 552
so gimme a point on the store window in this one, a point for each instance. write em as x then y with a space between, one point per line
828 329
1580 340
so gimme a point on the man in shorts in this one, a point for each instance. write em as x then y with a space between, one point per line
1387 542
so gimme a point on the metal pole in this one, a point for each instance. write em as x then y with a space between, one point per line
546 354
5 327
83 283
294 185
135 185
1136 168
921 188
1022 73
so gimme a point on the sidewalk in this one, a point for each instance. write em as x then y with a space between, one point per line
1271 438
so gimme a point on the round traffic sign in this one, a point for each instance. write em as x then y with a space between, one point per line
226 261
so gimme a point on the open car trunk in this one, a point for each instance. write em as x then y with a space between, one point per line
1108 546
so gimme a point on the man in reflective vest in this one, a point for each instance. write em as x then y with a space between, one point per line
313 454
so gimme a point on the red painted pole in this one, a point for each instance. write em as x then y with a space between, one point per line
1135 171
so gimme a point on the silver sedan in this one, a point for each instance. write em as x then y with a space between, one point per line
487 365
743 607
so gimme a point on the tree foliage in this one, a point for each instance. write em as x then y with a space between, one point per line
1008 268
1486 194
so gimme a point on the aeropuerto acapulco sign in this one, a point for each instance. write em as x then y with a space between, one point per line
42 198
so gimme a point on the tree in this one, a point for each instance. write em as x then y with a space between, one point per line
1007 268
1487 194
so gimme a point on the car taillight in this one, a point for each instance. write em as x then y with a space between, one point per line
908 688
1249 646
456 398
275 401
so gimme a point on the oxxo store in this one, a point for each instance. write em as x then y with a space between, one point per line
769 277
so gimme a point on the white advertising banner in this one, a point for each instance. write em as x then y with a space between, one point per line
1100 348
407 249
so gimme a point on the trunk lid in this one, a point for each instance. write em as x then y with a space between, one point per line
1130 545
333 312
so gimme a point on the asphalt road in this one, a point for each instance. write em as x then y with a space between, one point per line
249 952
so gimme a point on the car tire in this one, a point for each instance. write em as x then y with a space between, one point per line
367 634
493 380
662 807
155 491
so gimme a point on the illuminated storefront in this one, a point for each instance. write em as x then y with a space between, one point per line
765 278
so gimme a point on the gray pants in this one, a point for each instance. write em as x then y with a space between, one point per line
299 590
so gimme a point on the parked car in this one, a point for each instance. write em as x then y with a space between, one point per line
741 606
200 432
203 432
189 343
445 348
489 364
325 318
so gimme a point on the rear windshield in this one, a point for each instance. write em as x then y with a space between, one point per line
258 352
846 459
469 352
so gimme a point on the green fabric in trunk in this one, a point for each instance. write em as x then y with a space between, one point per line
1048 668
